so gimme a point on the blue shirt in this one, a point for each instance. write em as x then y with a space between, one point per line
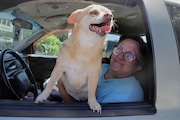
118 89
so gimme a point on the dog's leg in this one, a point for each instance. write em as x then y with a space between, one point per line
92 85
55 76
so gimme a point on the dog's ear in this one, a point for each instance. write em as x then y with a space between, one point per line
73 18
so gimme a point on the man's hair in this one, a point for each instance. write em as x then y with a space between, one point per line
142 46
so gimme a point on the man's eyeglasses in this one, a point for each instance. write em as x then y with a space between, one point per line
129 57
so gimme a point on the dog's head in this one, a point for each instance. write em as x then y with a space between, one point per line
95 18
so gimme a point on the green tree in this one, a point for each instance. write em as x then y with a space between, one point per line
51 44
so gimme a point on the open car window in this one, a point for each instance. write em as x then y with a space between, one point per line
129 18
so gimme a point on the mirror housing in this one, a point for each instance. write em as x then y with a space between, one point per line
22 24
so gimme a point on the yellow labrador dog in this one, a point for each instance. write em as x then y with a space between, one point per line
79 62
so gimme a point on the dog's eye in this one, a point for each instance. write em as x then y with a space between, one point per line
94 12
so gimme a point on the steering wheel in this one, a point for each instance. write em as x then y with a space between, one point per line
16 77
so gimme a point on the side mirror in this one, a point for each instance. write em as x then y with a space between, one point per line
22 24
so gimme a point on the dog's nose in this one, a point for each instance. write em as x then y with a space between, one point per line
108 16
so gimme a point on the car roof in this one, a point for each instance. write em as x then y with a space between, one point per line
53 14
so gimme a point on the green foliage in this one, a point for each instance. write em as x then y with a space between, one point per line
51 44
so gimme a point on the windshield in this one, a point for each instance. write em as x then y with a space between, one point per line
10 35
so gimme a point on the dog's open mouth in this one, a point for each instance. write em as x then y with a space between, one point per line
101 29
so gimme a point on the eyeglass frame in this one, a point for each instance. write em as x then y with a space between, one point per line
124 54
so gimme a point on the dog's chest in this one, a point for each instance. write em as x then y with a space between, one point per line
78 63
75 81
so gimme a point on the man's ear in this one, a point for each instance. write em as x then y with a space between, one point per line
74 17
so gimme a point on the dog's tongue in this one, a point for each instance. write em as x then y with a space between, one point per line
105 29
100 30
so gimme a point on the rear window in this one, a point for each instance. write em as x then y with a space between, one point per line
174 12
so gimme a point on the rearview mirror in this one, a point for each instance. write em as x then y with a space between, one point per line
22 24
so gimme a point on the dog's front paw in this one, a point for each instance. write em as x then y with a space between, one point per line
40 99
95 107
